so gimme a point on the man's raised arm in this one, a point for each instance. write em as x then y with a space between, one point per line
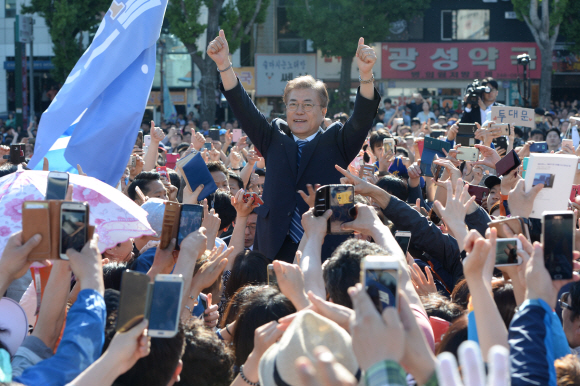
219 51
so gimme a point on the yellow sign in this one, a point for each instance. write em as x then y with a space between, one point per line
344 198
246 76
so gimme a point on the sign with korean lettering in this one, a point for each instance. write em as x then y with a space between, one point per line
517 116
274 71
246 76
455 61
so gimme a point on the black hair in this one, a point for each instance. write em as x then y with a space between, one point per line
157 368
377 138
217 166
453 338
207 361
236 302
394 186
250 267
112 274
505 300
221 201
174 179
238 179
554 130
342 270
264 306
574 300
402 150
112 298
260 172
142 180
438 305
492 82
9 168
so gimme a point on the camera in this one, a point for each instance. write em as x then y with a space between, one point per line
475 91
523 59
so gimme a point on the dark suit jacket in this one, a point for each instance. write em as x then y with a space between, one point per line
337 145
475 114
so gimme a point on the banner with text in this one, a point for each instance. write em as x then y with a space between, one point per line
274 71
457 60
517 116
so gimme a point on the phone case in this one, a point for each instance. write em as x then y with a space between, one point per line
480 192
575 192
508 163
322 204
46 222
466 134
431 148
468 154
170 223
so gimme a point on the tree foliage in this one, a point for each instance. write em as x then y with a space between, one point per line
236 18
571 25
67 22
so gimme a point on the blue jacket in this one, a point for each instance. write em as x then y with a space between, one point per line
536 339
81 344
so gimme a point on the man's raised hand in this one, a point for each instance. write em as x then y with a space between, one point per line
218 50
365 59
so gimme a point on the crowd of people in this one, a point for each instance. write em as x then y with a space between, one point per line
316 324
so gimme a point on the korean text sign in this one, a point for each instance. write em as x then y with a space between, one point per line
516 116
274 71
457 61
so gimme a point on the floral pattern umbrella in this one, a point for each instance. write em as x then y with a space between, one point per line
115 217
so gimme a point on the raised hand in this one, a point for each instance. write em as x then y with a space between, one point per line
157 134
365 59
211 313
311 196
218 50
197 141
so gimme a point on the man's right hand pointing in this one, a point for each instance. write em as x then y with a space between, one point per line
219 51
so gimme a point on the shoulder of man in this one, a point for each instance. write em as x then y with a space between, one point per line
497 104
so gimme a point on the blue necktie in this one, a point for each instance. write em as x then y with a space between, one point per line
296 231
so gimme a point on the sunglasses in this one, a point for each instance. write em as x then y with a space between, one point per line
565 300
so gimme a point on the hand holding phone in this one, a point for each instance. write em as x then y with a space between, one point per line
381 275
558 241
272 281
73 227
165 306
57 185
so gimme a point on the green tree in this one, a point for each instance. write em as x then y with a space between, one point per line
543 18
334 27
571 25
236 19
68 22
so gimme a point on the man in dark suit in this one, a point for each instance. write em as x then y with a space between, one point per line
298 152
473 114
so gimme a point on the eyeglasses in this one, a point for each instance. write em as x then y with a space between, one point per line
565 300
306 107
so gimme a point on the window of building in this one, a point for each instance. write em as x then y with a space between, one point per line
465 24
10 8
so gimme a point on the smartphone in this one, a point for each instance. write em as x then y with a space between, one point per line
272 281
466 134
236 135
139 140
569 143
207 146
403 239
171 160
133 300
257 199
437 171
437 133
515 224
147 140
133 161
558 240
539 147
73 226
575 192
140 194
506 252
17 152
162 170
501 143
398 121
468 154
165 306
505 128
339 198
480 193
380 276
190 220
56 185
389 145
214 134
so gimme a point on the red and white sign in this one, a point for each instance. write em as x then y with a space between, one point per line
457 61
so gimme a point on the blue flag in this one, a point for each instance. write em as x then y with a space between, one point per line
106 93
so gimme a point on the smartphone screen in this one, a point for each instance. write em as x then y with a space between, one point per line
207 146
506 252
73 229
381 285
139 140
57 185
539 147
165 304
341 201
558 241
190 221
272 281
133 300
403 241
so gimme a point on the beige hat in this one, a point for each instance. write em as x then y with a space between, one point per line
307 331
